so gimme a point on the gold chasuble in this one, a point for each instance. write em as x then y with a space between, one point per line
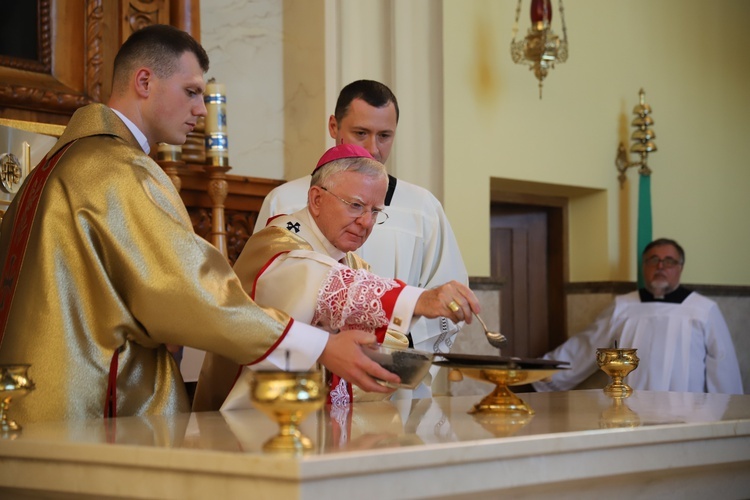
112 272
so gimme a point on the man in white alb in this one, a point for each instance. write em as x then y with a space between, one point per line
417 245
682 339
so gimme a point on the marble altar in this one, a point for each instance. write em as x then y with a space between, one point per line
578 444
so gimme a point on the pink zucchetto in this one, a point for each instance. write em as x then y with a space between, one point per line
342 151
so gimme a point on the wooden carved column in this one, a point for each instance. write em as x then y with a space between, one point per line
217 190
186 15
139 13
169 158
217 159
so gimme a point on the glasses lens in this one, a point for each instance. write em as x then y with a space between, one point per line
355 209
667 262
380 217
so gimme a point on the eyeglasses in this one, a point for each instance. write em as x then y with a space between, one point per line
666 262
357 210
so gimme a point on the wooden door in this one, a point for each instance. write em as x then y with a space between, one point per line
527 256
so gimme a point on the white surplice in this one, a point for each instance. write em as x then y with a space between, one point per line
683 347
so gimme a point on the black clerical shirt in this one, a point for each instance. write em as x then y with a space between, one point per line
675 297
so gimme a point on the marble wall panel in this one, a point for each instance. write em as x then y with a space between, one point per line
244 41
471 340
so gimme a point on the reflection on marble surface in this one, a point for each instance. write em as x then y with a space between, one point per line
14 384
619 414
687 445
382 425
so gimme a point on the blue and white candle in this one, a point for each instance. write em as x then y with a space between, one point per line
217 144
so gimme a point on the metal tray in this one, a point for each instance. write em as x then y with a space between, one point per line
457 360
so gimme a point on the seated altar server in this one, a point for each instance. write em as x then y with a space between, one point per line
682 339
304 264
102 269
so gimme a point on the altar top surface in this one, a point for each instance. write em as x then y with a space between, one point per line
401 426
648 431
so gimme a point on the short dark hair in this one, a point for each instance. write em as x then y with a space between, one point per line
373 93
665 241
159 47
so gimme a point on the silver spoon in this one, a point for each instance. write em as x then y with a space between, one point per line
496 339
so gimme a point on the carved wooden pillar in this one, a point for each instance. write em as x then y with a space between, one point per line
217 190
217 159
186 15
169 158
139 13
183 14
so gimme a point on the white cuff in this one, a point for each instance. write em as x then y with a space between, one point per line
303 342
403 311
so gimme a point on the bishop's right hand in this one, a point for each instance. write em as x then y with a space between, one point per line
452 300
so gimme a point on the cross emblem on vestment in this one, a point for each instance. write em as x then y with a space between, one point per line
293 226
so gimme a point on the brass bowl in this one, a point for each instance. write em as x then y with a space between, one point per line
410 365
617 363
288 398
14 384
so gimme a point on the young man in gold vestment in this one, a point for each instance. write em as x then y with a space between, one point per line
102 269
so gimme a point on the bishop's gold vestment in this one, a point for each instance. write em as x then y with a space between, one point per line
113 265
290 265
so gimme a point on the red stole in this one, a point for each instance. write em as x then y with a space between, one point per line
28 203
19 239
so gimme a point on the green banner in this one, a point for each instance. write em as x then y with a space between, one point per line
645 231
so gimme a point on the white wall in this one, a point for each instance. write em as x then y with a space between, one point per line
692 59
470 115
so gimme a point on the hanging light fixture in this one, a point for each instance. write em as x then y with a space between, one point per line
541 48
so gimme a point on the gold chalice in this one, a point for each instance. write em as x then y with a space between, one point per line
617 363
287 398
14 384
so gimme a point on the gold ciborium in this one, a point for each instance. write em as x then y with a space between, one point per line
287 398
617 363
502 399
14 384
